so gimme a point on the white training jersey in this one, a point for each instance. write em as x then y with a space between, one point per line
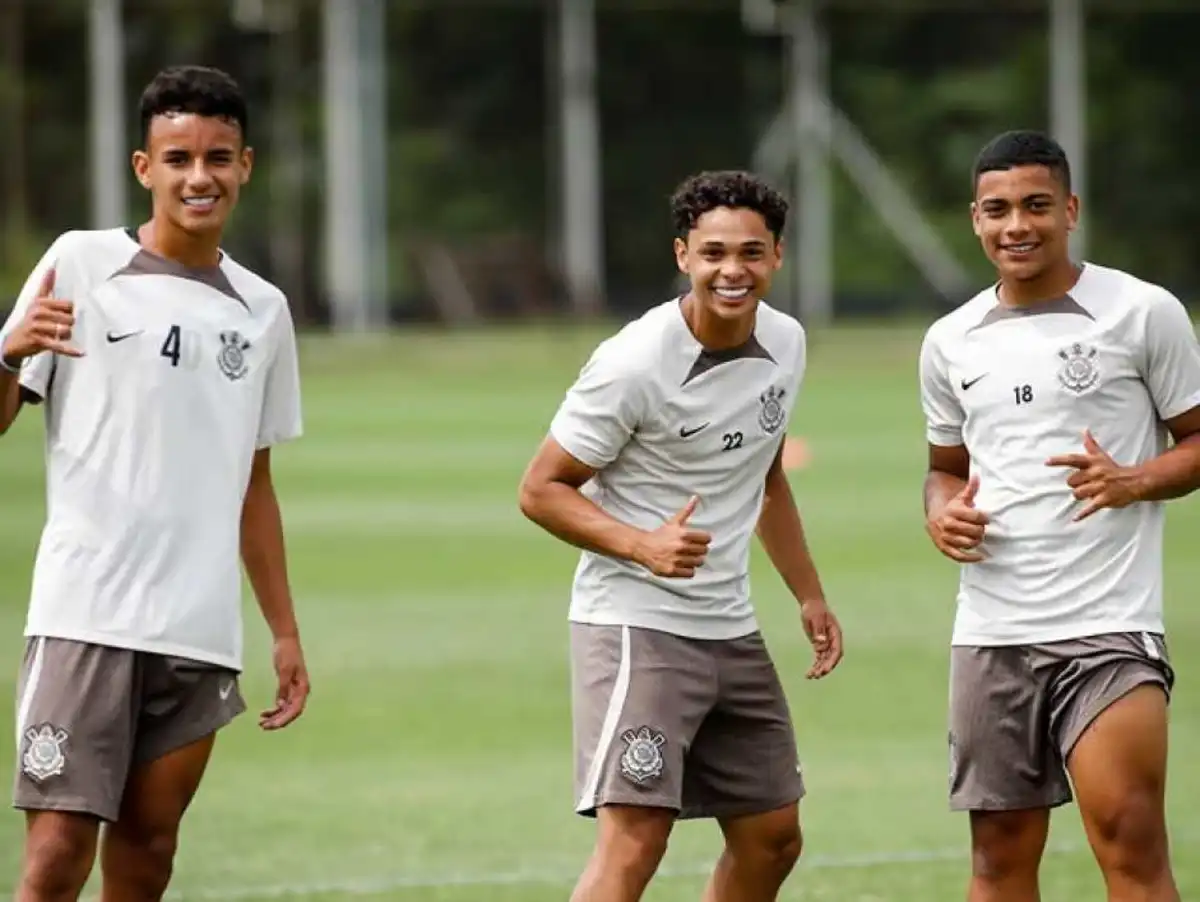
150 438
1116 356
661 419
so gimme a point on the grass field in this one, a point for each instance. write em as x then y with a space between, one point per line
435 760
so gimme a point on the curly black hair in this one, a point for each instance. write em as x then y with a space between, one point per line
193 89
707 191
1023 148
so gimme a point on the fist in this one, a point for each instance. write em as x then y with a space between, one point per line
675 549
958 529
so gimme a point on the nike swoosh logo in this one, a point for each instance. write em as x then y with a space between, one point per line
225 690
114 337
965 384
684 432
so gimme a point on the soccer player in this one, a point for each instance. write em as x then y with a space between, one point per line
1063 409
167 372
661 463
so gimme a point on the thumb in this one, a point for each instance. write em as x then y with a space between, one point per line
972 488
47 288
686 511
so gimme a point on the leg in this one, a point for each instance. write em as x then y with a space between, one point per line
1006 854
138 851
638 697
183 705
59 850
744 771
760 852
630 843
74 721
1004 769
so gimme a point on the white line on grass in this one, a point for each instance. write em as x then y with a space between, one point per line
381 885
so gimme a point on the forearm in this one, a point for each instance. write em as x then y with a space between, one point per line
1172 474
781 532
264 557
10 399
940 488
562 511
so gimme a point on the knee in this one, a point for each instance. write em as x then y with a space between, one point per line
1007 845
774 847
633 842
1130 837
58 861
140 857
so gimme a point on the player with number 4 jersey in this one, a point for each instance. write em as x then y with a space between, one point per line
166 372
1062 408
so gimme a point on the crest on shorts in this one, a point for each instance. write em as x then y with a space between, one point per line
1079 371
642 760
44 756
771 415
232 356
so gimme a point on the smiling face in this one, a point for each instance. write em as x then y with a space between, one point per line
194 167
1023 217
730 256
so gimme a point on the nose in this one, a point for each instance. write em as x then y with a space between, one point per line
199 176
1016 225
732 270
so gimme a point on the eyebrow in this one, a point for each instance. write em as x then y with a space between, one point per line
753 242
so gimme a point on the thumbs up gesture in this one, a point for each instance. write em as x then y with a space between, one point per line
675 549
958 529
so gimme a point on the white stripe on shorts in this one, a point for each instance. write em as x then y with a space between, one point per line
31 684
608 732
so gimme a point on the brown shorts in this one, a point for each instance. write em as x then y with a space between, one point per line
698 726
1016 712
87 714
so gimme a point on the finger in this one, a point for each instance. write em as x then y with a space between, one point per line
962 557
55 314
963 528
1088 490
955 540
681 571
967 515
686 511
1093 446
59 305
1090 508
1081 461
697 537
46 289
972 488
288 707
62 348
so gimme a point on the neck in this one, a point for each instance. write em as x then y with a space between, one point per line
1049 286
199 251
713 332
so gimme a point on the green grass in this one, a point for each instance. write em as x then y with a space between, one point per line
435 760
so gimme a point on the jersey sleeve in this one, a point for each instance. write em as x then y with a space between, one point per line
37 371
602 409
944 416
281 419
1172 361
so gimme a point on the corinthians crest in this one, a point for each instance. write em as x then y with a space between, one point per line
642 760
1079 371
44 757
232 356
771 415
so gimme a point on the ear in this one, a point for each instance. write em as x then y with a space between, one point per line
141 168
681 255
1072 212
780 248
975 219
247 164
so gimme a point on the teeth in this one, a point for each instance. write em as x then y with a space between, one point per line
1020 248
732 294
199 201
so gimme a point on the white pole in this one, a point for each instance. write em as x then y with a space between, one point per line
1068 101
109 157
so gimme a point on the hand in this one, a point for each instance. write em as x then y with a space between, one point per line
958 529
674 549
46 326
293 685
825 634
1098 479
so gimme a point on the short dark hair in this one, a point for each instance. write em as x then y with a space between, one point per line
193 89
1023 148
707 191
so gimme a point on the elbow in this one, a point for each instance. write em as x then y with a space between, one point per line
529 499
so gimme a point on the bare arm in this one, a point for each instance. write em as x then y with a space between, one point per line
266 566
550 497
1175 472
263 550
949 468
781 533
10 399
